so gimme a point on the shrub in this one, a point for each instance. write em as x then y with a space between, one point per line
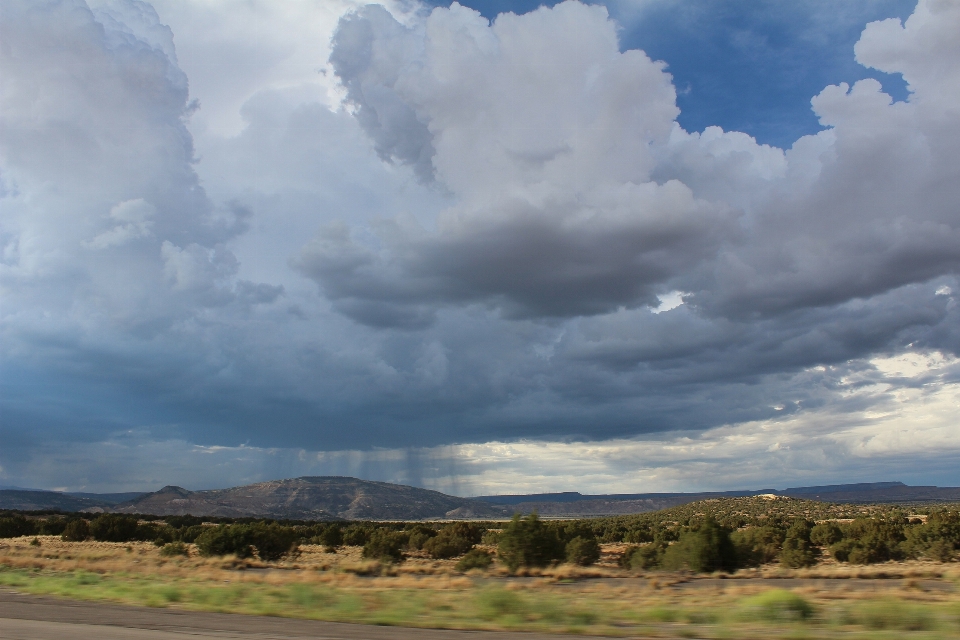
175 549
331 537
76 531
273 541
704 549
778 605
528 542
648 556
357 535
114 527
491 538
191 533
52 526
470 531
583 551
757 545
797 553
225 539
16 526
474 559
385 545
825 534
446 545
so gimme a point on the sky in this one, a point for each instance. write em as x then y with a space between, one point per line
659 245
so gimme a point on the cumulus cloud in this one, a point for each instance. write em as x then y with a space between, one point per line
544 131
486 235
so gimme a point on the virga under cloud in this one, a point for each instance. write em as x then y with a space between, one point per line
458 233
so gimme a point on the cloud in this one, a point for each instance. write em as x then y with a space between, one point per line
543 130
491 236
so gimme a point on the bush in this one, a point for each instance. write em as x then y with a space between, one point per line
175 549
797 553
648 556
528 542
704 549
778 605
583 551
446 545
474 559
114 527
385 545
76 531
16 526
491 538
825 534
357 535
224 540
331 537
191 533
52 526
757 545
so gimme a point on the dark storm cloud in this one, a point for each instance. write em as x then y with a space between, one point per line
501 210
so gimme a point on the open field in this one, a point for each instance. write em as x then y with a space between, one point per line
906 599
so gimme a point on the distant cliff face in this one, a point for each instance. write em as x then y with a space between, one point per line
314 498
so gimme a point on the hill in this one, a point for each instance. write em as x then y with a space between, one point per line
313 498
574 504
30 500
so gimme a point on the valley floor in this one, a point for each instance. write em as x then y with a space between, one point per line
890 600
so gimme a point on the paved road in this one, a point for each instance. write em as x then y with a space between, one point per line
26 617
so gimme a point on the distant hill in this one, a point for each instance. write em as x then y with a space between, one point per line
574 504
336 497
313 498
30 500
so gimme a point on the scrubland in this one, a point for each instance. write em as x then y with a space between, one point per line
894 599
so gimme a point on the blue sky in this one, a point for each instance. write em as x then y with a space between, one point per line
747 66
408 243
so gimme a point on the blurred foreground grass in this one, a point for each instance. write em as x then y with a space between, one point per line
424 593
490 604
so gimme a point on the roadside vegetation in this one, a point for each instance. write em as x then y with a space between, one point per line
746 566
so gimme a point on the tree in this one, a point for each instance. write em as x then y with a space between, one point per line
114 527
704 549
583 551
528 542
76 531
385 545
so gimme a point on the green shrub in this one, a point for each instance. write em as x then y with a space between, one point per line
225 540
528 542
191 533
385 545
175 549
491 538
648 556
76 531
16 526
777 605
446 545
273 541
52 526
331 537
474 559
114 527
757 545
583 551
704 549
825 534
357 535
797 553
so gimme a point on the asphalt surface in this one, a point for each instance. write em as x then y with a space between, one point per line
26 617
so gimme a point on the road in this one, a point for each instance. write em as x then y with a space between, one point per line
26 617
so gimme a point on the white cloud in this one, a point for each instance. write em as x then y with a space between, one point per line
491 219
134 222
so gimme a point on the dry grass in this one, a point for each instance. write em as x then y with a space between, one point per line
915 599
